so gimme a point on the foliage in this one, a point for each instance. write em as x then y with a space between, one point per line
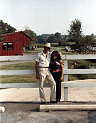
42 39
86 43
32 35
52 38
75 34
79 64
6 28
80 43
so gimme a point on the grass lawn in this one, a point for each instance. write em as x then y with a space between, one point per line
31 66
18 79
60 49
21 78
20 66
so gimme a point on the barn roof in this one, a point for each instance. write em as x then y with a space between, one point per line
16 32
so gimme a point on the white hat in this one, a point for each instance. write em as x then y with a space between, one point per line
47 45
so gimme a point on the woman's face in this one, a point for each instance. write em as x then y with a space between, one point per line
54 57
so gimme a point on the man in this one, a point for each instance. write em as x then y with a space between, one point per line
42 73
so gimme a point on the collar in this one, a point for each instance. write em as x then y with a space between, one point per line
44 53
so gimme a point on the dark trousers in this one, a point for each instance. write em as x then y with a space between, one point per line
56 77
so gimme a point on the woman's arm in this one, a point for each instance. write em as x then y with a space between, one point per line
62 70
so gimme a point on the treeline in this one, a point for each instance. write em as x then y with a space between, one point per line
76 40
6 28
52 38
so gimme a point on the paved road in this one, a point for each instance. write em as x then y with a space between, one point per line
48 117
45 117
28 112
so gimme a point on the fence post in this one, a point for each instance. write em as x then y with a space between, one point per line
65 80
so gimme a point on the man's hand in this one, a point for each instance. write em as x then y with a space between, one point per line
37 71
37 76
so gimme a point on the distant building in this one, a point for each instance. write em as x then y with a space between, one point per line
13 43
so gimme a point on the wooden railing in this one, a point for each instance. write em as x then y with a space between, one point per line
67 71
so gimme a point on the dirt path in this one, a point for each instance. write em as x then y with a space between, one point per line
27 94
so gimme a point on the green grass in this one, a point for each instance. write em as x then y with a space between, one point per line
36 51
60 49
18 79
31 66
72 78
20 66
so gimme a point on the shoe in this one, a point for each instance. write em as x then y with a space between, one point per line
58 101
44 102
52 101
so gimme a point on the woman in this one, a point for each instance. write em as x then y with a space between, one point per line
56 68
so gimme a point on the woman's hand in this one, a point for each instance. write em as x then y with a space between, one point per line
61 78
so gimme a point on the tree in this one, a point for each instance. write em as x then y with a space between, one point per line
32 35
42 38
52 39
58 37
6 28
1 37
75 34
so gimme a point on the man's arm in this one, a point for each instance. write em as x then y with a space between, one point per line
37 69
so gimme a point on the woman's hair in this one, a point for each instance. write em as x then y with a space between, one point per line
58 54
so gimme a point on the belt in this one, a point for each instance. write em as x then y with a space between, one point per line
43 67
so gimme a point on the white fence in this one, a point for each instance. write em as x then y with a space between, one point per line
67 71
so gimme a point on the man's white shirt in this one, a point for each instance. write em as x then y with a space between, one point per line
43 59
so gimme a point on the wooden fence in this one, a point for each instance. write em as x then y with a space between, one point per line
67 71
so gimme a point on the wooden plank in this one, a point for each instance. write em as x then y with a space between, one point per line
66 72
16 72
79 71
33 57
78 84
65 80
36 85
57 107
20 58
79 57
23 85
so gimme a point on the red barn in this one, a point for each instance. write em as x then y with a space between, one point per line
13 44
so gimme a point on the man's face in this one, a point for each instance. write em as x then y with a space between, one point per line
46 49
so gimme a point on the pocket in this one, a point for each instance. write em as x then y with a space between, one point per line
41 71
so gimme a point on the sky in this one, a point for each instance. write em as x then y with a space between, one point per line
49 16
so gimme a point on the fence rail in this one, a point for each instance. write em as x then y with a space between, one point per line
32 57
67 71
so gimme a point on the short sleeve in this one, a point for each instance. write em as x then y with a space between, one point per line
37 59
61 62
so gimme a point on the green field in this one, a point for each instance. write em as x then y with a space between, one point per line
21 78
18 78
20 66
60 49
31 66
